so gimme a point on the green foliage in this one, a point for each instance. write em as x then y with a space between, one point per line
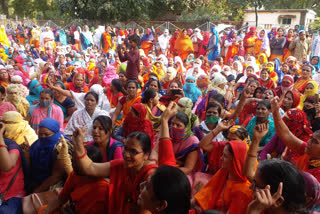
316 24
294 4
200 14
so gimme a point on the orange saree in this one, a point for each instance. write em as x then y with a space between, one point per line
183 45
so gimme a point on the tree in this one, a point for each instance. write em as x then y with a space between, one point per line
294 4
4 7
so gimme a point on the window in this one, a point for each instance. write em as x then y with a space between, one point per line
286 21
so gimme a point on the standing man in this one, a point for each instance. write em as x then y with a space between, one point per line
301 47
315 47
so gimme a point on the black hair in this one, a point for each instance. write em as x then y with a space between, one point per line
253 81
219 98
123 72
177 82
148 94
2 90
134 38
170 184
105 122
214 105
95 95
61 84
211 212
256 91
94 153
56 64
230 148
143 139
47 91
132 81
153 74
117 84
230 78
266 69
274 171
158 83
265 103
182 117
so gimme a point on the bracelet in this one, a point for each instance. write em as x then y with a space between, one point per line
82 156
278 120
251 155
3 146
213 132
164 138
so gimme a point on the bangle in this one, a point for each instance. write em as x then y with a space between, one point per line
3 146
279 120
251 155
82 156
164 138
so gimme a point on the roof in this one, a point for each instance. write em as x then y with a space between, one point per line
283 10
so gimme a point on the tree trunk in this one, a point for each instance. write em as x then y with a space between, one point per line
256 11
5 9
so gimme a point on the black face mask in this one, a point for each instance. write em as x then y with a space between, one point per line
311 113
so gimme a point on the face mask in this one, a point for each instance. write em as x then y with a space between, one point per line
264 79
212 119
29 63
45 103
309 92
177 135
189 85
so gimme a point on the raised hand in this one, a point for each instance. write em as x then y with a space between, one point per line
275 104
79 135
170 111
25 146
260 130
226 124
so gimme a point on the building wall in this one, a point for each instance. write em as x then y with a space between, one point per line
270 17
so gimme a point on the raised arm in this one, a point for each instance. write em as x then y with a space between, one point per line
7 160
66 93
282 130
85 164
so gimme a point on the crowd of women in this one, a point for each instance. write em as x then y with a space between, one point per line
116 121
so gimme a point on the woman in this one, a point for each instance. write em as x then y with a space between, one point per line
228 190
65 103
262 60
17 129
34 92
262 116
78 84
47 170
191 91
231 46
13 168
306 76
249 40
126 102
115 93
4 106
265 80
154 109
135 122
174 93
5 78
101 132
84 117
286 85
315 62
154 83
291 100
289 39
183 44
168 77
45 108
213 46
185 106
262 44
310 90
277 44
298 124
147 42
218 84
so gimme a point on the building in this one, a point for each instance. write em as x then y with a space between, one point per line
281 17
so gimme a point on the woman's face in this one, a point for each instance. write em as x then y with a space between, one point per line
267 94
290 33
262 33
234 35
314 61
176 123
258 93
184 32
262 111
313 146
288 101
264 74
257 183
63 69
249 71
227 159
235 66
261 59
233 136
4 76
146 198
154 85
173 86
90 102
98 133
252 87
212 111
122 77
280 32
309 86
45 132
155 100
133 155
132 89
79 81
306 72
285 68
55 92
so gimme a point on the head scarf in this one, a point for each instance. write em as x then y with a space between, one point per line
72 85
241 132
309 93
312 187
34 92
17 128
229 37
287 87
42 151
148 36
21 104
203 82
169 75
218 79
265 59
297 122
137 124
190 55
110 74
190 89
183 43
197 35
185 106
103 100
317 67
265 40
218 67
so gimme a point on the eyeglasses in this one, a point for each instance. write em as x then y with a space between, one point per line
131 152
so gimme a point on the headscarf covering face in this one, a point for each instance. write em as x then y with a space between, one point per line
190 89
217 80
185 106
285 86
169 75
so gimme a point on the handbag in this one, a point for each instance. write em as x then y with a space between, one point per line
2 195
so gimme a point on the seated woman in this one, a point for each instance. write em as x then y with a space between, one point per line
185 106
306 76
291 100
309 150
34 92
5 78
262 116
4 105
115 93
168 77
101 132
174 93
228 190
212 120
154 83
310 90
20 103
286 85
297 122
312 111
191 91
78 188
13 167
17 129
44 109
78 84
65 103
265 79
84 117
150 100
47 171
